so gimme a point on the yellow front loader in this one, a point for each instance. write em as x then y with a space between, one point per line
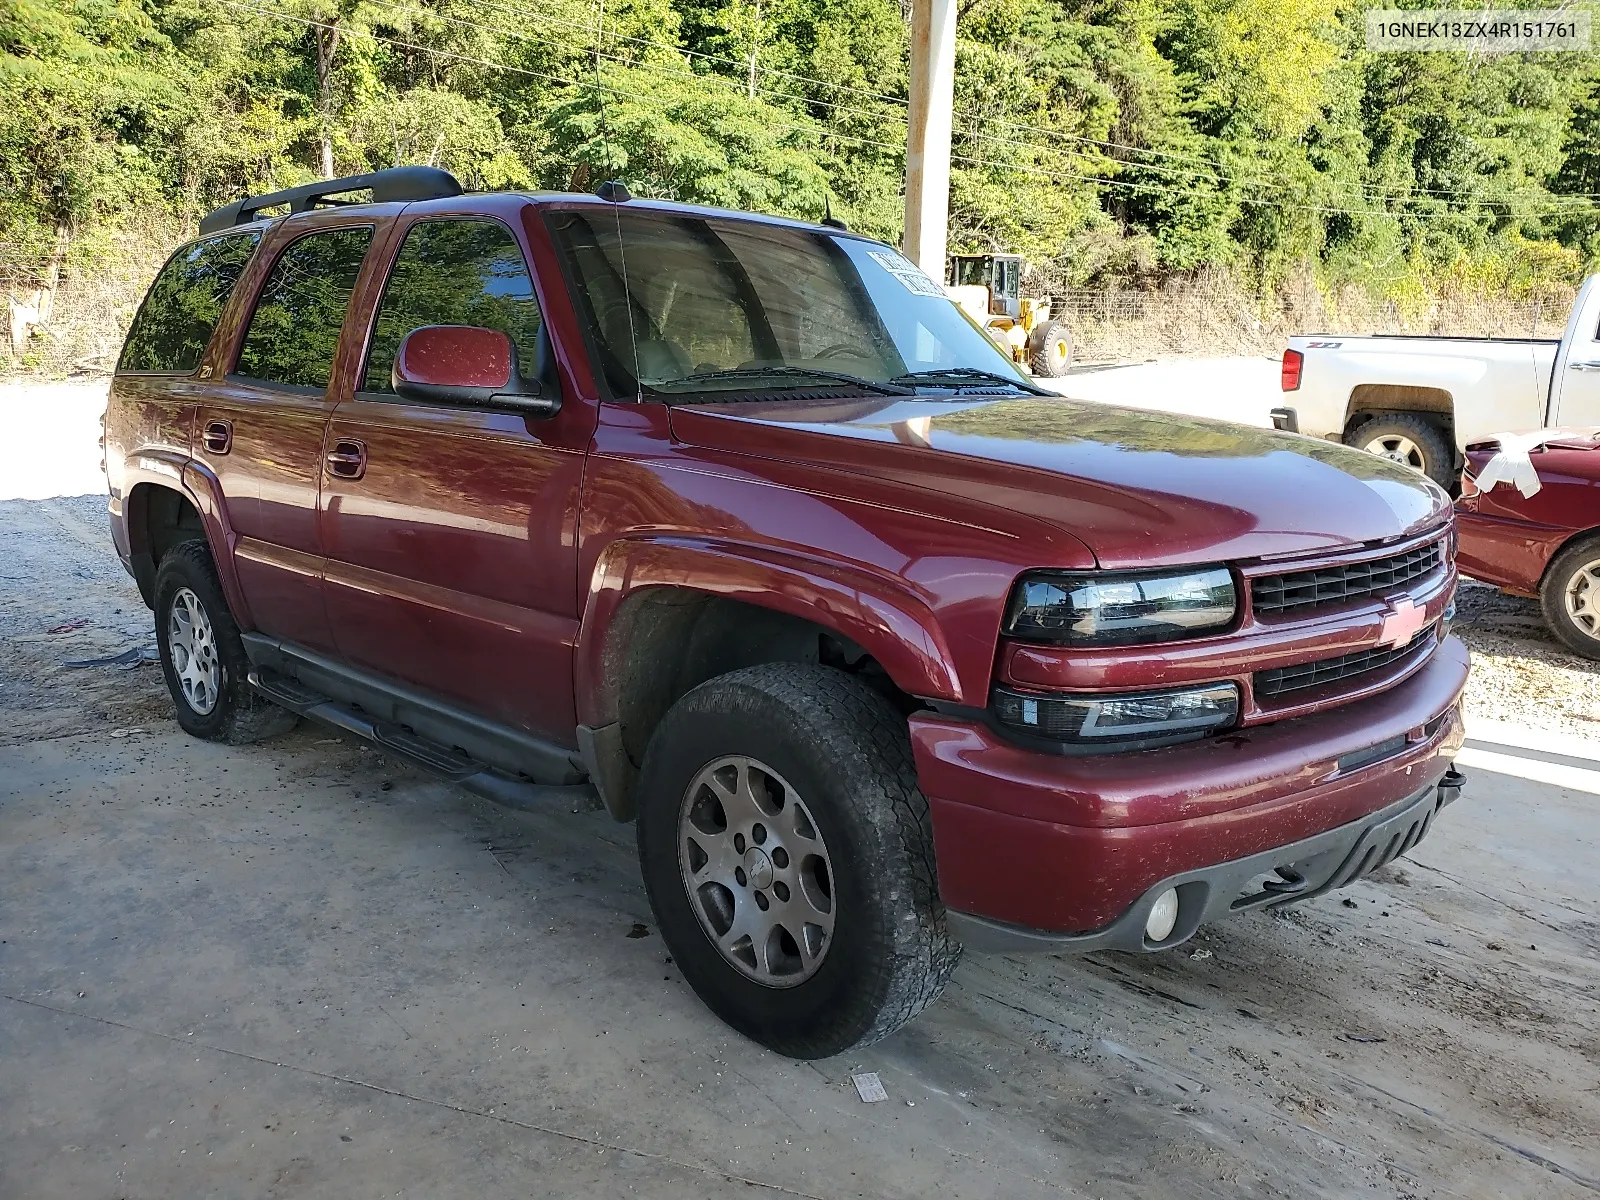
989 288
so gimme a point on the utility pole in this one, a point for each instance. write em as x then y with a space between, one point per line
933 81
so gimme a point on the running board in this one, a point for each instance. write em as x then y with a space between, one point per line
453 765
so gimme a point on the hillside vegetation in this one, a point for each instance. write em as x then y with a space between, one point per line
1112 143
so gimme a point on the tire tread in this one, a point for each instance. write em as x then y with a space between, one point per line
1427 435
859 733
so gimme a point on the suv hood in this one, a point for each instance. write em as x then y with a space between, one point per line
1138 488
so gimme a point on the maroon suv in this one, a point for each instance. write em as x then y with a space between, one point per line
741 521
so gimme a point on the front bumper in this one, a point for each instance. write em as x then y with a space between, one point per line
1073 845
1298 871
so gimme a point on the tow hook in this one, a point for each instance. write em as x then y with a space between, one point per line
1450 786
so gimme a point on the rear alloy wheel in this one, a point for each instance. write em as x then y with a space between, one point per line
1397 447
788 856
202 655
1570 597
192 643
1409 440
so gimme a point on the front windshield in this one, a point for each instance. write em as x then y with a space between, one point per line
712 304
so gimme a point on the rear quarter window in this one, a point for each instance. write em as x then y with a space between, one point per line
174 323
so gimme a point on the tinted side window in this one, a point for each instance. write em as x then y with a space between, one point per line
295 329
177 316
455 273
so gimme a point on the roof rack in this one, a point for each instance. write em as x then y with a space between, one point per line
394 184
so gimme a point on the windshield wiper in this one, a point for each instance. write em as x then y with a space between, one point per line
969 374
785 372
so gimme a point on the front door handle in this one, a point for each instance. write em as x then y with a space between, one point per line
1583 366
218 436
348 459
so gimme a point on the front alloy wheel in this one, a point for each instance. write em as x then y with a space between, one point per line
788 855
756 871
1570 597
1582 598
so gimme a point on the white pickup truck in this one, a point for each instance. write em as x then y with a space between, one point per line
1421 400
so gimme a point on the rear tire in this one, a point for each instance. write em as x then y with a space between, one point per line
1410 440
203 657
1570 597
1050 350
736 776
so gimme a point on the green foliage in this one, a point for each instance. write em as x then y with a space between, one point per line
1103 139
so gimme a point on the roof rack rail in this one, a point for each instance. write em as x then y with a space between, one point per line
388 186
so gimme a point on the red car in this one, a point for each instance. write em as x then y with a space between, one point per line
740 520
1541 538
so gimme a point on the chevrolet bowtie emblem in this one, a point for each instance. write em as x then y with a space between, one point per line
1401 623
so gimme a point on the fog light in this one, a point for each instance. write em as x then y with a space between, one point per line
1163 917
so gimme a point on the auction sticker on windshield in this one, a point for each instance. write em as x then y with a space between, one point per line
907 272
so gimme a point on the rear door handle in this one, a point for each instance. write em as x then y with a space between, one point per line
1583 366
218 436
348 459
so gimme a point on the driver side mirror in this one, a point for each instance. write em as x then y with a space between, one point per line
469 367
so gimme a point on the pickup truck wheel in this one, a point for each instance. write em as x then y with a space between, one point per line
1570 597
1410 440
788 855
202 656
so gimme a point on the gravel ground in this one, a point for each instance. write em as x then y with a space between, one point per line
1520 673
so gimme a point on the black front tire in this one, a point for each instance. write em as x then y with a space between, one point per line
1427 449
844 749
1572 573
1050 350
238 714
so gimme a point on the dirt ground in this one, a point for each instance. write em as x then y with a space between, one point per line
296 969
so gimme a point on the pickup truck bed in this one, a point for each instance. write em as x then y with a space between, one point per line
1422 400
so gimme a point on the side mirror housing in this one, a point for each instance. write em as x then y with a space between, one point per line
466 366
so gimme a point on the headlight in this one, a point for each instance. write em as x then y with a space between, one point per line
1140 716
1110 610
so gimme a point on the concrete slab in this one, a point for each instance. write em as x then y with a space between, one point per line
217 964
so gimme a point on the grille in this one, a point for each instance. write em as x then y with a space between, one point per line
1274 594
1344 666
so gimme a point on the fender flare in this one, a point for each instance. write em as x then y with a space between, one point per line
880 614
1388 396
199 485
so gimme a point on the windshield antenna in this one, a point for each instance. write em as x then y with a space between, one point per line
616 193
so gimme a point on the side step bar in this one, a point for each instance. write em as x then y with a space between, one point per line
431 756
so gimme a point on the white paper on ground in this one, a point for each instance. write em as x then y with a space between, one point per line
869 1087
